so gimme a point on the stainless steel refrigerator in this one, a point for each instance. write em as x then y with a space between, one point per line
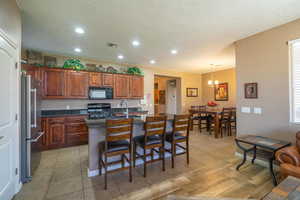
30 126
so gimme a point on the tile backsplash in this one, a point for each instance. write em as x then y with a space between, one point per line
82 104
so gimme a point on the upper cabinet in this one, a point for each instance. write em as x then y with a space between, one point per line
54 83
95 79
136 87
69 84
121 86
77 85
108 80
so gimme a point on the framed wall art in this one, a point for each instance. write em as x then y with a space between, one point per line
251 91
221 92
192 92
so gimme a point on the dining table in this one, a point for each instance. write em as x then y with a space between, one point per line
215 113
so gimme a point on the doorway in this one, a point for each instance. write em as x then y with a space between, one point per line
167 95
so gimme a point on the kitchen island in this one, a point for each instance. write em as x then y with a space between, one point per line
97 131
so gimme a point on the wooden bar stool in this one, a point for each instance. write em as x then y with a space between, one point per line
154 137
118 141
179 134
232 123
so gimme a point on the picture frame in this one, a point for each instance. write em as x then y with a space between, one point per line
192 92
251 91
221 92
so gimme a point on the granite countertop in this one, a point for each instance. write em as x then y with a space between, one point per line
97 123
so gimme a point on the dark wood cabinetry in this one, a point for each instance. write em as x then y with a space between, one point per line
121 86
54 83
56 132
136 87
77 85
70 84
108 80
63 132
95 79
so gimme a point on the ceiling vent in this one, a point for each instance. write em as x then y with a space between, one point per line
112 45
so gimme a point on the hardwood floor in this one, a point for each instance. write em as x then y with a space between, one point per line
63 175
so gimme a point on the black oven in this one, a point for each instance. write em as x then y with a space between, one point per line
100 93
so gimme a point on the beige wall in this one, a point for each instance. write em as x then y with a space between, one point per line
10 20
187 80
264 58
223 76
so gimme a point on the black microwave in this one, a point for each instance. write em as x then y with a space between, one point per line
100 93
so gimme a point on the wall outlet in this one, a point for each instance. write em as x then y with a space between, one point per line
257 111
68 107
245 110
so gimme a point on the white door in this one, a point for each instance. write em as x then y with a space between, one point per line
171 92
8 122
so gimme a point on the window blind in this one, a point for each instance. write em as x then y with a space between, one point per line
295 80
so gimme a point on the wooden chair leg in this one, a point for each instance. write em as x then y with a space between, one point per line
145 162
105 175
162 150
100 165
187 152
200 125
134 154
173 153
122 159
152 155
130 165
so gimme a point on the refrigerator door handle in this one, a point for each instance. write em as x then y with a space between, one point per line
33 140
34 125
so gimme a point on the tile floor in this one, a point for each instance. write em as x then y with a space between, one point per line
62 175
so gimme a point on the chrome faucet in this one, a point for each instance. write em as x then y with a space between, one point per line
122 103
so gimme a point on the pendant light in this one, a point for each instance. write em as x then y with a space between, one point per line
212 82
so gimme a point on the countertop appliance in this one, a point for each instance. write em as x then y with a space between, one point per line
30 126
100 93
99 110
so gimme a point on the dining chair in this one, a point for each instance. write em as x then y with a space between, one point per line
118 142
232 123
153 139
223 122
200 118
179 135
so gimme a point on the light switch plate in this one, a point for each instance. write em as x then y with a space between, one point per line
257 110
246 110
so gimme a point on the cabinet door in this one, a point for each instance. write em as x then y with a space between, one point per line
76 130
136 87
54 83
95 79
108 80
121 86
56 132
34 72
43 143
77 85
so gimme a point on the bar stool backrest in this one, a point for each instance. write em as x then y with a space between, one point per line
118 129
182 124
155 126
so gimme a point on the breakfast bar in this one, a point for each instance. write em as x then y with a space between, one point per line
96 135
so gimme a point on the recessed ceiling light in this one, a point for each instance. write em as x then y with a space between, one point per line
79 30
78 50
152 61
135 43
174 51
120 56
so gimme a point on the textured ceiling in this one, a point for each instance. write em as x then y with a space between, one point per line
203 31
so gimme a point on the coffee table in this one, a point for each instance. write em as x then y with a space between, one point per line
259 145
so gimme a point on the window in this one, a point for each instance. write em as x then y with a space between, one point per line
295 81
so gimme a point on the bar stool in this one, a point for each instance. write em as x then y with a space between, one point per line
154 137
118 141
179 134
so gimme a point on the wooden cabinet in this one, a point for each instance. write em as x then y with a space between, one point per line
95 79
63 132
108 80
136 87
34 72
54 83
77 85
56 132
121 86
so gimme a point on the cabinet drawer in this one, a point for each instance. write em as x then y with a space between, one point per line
77 119
76 128
57 120
76 139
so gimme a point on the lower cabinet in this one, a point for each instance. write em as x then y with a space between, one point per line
63 132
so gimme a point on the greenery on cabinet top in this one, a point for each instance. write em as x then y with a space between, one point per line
75 64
